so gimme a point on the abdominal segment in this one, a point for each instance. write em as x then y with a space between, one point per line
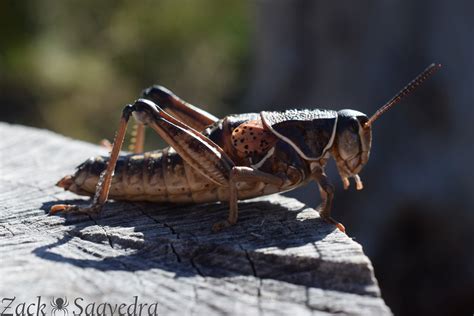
159 176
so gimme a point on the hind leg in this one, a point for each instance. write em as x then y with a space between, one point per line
187 113
105 180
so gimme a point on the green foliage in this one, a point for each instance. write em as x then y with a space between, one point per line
71 66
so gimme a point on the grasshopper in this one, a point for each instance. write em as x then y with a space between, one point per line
238 157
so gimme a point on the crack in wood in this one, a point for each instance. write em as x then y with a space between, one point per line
178 258
8 229
195 267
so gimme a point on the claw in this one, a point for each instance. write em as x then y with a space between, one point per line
339 226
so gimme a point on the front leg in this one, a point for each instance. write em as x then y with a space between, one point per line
326 190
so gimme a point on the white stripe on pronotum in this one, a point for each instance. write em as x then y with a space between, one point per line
295 147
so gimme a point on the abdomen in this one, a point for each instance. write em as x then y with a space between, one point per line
159 176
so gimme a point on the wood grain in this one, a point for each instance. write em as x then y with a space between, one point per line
280 259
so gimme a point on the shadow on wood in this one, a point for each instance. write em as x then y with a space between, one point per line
193 249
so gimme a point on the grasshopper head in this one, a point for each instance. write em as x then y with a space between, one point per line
351 146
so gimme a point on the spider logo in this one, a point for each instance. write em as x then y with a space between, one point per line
59 305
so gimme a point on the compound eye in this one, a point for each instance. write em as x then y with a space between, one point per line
353 126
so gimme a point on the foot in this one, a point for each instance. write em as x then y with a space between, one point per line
339 226
67 208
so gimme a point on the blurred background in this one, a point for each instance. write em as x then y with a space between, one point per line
70 66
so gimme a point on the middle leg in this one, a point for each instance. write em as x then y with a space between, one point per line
238 174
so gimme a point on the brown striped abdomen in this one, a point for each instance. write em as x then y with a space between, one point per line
159 176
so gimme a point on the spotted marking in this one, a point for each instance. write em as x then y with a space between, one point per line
252 137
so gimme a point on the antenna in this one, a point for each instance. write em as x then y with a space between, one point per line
404 92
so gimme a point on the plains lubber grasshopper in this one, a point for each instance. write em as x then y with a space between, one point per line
238 157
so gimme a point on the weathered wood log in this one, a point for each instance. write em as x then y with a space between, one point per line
280 258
